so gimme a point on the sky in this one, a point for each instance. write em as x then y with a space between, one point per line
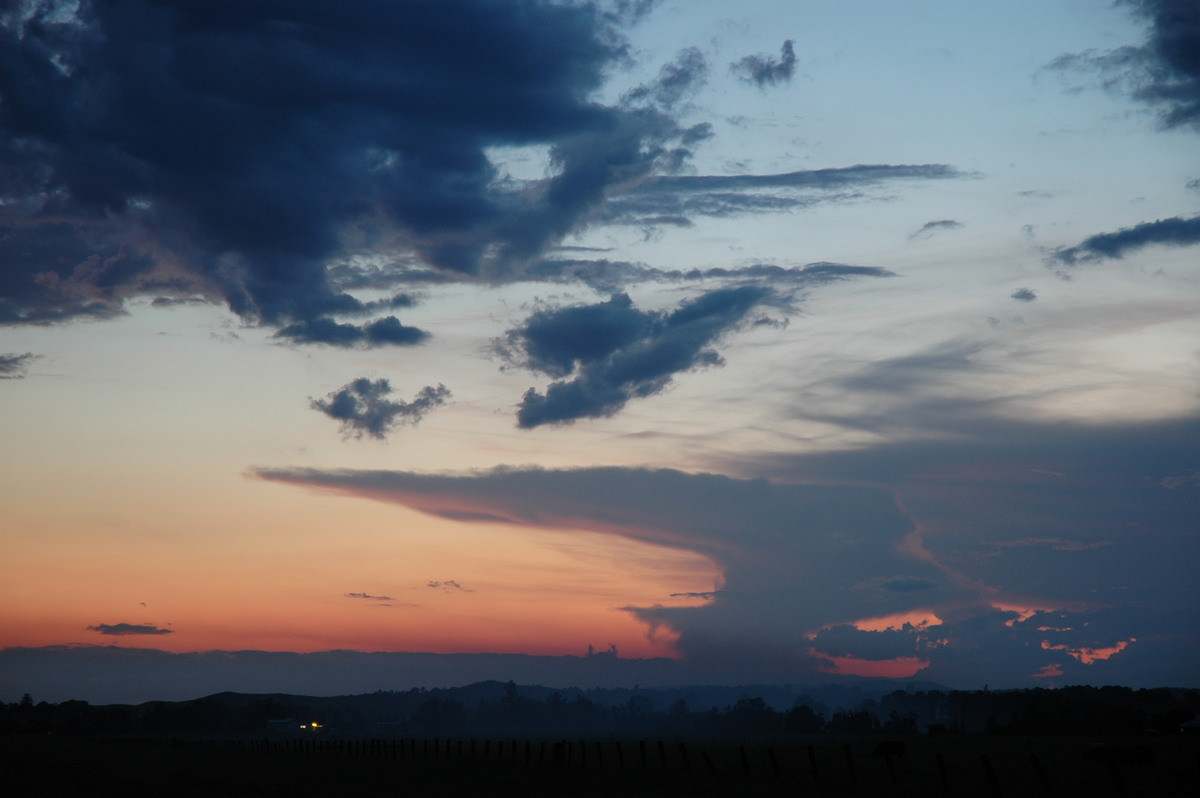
788 340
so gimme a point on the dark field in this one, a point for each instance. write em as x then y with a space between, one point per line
49 765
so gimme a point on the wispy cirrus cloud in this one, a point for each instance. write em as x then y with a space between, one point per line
929 228
1174 231
124 629
448 585
367 597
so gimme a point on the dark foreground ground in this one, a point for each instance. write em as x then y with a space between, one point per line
57 766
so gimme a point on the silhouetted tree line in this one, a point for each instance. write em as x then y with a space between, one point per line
1063 711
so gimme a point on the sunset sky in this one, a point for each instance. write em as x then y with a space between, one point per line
785 338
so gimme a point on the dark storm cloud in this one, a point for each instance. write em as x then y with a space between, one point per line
844 640
764 70
1164 72
614 352
793 558
368 596
1174 59
906 584
929 228
1043 515
363 408
121 629
1024 295
243 146
387 331
1175 231
12 367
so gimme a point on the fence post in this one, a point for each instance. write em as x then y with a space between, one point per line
712 769
684 756
850 763
1040 772
1115 773
941 766
990 772
745 760
812 763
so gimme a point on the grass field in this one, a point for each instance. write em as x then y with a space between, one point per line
822 765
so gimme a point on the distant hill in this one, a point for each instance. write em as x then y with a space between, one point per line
117 674
506 709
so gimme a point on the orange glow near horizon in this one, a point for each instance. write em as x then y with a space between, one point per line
1089 655
897 668
917 619
297 571
1023 611
1048 671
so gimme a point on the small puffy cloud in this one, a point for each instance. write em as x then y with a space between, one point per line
1174 231
447 585
387 331
613 352
1024 295
929 228
363 407
763 70
12 367
121 629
